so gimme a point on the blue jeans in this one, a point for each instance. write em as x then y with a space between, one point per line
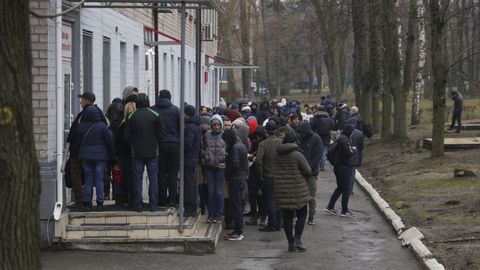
215 182
326 143
152 171
93 172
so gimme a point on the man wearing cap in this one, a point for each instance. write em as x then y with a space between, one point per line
265 165
87 99
169 149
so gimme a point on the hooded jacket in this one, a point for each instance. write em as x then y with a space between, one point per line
193 135
290 187
213 147
321 123
342 116
94 137
312 146
242 129
236 165
171 119
357 140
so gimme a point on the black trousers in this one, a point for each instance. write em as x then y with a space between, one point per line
288 215
191 190
343 187
127 183
457 117
168 166
274 214
256 204
236 189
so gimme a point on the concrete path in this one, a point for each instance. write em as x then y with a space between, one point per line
363 242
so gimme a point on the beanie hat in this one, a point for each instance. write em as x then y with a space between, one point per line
165 94
190 110
290 137
205 120
347 130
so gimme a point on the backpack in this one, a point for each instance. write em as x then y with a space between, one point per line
333 154
367 130
324 126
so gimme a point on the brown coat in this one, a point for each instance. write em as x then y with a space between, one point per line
290 186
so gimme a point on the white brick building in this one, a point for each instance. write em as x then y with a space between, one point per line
104 50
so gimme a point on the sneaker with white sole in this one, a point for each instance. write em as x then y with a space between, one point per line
347 214
331 211
235 236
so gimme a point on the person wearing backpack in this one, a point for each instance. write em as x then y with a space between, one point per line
342 116
339 154
355 161
322 124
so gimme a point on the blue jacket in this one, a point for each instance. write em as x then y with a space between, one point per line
171 120
94 136
193 135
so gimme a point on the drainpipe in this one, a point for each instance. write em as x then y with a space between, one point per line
182 117
60 96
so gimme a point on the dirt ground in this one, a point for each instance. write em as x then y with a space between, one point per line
425 193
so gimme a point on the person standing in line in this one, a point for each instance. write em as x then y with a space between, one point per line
342 172
265 165
457 110
169 160
144 131
236 171
341 117
94 152
322 124
193 135
292 190
123 150
213 156
312 148
355 161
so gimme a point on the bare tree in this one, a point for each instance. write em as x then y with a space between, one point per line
415 118
19 195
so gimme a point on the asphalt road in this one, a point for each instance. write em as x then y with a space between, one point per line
363 242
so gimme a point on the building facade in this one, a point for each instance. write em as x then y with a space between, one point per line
103 51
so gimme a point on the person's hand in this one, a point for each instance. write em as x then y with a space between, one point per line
221 165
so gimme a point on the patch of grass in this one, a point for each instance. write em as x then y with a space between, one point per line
456 218
448 184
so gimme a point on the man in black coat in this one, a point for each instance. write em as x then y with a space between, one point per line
457 110
312 148
169 148
236 172
342 116
193 135
323 124
144 131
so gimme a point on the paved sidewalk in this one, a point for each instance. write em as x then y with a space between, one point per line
363 242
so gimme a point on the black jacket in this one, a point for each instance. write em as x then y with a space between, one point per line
356 120
342 116
193 135
171 119
144 131
346 152
123 149
236 162
357 140
457 102
322 124
312 146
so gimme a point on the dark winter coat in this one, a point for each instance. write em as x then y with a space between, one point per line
312 146
291 188
346 152
457 103
356 120
322 124
72 134
236 162
267 156
342 116
94 136
171 120
193 136
123 149
357 140
144 131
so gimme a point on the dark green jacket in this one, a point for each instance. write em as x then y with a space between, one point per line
267 155
290 186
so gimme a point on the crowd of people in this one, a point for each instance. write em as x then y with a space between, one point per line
266 155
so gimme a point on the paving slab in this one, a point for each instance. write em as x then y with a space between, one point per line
366 241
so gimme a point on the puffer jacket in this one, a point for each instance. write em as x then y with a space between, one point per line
94 136
267 156
290 187
193 135
213 146
342 116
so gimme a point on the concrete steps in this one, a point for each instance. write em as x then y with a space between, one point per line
130 231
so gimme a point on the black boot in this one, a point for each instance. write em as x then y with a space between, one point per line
100 206
298 245
87 206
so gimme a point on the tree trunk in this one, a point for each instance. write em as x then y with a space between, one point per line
363 92
437 23
410 47
375 65
266 51
386 93
415 118
393 70
245 46
19 195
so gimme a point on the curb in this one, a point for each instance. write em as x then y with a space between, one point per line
411 237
